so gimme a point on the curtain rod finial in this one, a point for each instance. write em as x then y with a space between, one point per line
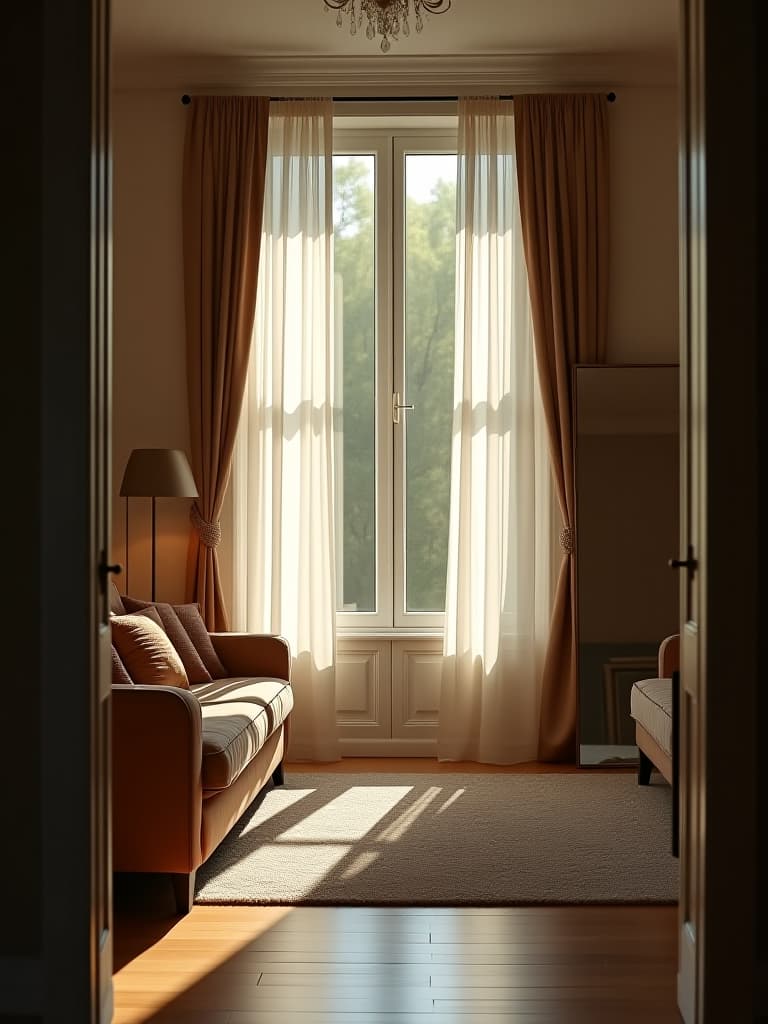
186 100
611 97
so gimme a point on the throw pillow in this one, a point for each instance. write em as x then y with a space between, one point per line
146 651
177 634
119 672
116 605
192 621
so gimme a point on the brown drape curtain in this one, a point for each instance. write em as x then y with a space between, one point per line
561 144
225 156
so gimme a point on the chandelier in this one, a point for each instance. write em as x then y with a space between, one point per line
387 17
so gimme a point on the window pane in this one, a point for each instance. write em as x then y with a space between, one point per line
354 282
430 254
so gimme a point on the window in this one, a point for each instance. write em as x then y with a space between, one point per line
395 247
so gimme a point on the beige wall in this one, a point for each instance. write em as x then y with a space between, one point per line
149 390
643 308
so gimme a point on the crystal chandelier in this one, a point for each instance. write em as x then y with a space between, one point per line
387 17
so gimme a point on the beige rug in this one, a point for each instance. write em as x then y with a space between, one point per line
448 839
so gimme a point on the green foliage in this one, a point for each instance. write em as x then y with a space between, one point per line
429 308
429 318
354 273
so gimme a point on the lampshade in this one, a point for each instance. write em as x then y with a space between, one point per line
158 473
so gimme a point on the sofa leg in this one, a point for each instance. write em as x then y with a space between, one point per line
644 771
184 891
278 775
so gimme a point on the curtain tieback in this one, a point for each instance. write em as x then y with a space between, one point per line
210 533
566 540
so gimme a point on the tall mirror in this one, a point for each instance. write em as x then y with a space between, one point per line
627 511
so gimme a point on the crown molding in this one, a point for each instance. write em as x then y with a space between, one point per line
457 74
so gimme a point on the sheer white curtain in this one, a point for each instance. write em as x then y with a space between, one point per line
499 586
283 539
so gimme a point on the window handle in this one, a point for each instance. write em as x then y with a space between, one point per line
397 406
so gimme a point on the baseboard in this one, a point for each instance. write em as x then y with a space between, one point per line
387 748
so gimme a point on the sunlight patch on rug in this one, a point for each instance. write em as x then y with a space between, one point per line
349 816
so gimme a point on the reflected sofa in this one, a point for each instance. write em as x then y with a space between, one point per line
651 708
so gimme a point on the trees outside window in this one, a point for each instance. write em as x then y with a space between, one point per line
394 253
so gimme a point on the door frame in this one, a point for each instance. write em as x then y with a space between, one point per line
731 963
55 948
721 973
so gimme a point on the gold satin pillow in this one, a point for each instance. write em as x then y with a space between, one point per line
144 648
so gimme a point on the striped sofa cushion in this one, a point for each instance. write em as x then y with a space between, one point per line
651 707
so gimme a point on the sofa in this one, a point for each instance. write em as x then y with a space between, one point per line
188 760
651 707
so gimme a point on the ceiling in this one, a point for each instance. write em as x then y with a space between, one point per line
271 28
295 46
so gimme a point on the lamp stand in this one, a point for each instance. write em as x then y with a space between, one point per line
153 547
155 473
154 558
126 544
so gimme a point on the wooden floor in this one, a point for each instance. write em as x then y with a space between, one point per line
338 965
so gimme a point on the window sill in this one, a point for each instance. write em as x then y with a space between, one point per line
395 633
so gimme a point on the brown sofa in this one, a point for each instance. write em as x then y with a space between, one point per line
187 763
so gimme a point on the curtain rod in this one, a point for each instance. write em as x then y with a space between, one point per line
186 99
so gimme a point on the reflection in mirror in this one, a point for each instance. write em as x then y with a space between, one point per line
627 510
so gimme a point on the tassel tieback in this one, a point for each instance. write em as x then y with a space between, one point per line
566 540
210 533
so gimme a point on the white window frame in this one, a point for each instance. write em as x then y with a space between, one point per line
390 139
403 146
362 143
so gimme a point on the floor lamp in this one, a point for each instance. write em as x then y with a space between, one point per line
155 473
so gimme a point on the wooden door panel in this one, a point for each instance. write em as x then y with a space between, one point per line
388 695
722 277
692 508
363 690
416 670
101 490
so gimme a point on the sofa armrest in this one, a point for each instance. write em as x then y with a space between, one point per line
156 778
254 654
669 656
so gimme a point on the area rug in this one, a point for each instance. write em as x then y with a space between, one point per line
448 840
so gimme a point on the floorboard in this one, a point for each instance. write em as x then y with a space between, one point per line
371 965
